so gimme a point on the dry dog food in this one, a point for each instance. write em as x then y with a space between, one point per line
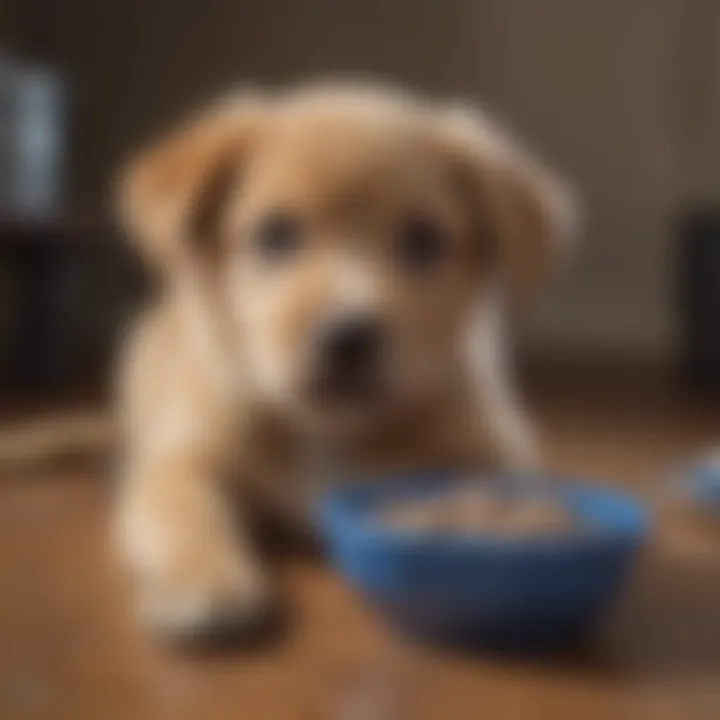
475 509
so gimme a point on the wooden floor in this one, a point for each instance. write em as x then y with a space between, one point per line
69 650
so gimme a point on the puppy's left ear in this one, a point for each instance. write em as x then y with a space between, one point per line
519 206
169 195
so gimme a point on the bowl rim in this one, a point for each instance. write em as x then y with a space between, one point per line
340 516
698 481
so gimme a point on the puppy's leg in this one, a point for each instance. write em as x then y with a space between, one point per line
508 430
505 426
193 559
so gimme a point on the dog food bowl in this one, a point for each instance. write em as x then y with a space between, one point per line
699 483
481 590
694 492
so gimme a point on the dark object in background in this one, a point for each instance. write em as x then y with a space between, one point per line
700 300
65 286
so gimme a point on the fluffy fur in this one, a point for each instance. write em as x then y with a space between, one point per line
212 396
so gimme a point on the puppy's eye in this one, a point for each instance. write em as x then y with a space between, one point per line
420 243
278 236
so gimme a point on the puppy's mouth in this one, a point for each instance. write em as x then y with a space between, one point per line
347 391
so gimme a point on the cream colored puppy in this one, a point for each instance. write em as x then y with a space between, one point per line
331 267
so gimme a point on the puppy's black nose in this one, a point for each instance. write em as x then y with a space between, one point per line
349 344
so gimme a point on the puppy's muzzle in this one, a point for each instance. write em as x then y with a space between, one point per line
348 354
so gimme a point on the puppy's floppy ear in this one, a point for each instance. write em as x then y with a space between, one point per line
170 194
521 207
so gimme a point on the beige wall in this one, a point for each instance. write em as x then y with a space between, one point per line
619 93
596 83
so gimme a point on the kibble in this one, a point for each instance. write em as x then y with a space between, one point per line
477 509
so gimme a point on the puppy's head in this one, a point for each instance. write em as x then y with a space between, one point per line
345 236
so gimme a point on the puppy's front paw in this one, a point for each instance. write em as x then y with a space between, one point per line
209 599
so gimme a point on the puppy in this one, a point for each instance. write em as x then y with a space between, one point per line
332 265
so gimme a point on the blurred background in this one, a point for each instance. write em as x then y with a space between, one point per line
621 360
622 96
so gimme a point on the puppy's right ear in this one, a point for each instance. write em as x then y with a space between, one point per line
170 195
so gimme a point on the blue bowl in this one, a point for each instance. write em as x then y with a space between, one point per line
699 482
485 591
